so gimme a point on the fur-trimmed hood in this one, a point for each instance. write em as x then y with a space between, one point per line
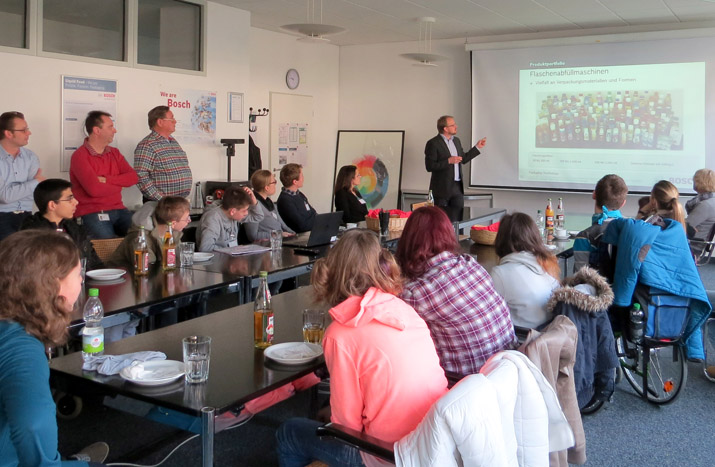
590 303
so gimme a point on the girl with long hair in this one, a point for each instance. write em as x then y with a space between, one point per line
469 321
527 272
664 203
384 370
347 197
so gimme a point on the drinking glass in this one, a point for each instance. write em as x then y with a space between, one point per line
313 326
276 239
384 217
197 356
187 253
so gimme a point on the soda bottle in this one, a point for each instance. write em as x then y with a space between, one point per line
263 314
430 198
636 317
540 223
549 218
560 218
141 254
168 251
93 332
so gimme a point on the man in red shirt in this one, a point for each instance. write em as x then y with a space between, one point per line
98 173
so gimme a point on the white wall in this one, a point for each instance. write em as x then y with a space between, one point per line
272 55
32 85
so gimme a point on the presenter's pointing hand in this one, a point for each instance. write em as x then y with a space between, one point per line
481 143
454 160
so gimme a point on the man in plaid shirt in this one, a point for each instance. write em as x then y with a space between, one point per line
159 161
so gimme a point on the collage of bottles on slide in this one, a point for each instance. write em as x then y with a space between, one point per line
549 220
627 119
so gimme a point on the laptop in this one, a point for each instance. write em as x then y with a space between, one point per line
325 227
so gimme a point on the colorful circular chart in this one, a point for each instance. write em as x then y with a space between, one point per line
375 179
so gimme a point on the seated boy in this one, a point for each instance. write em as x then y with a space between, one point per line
218 227
610 196
172 210
293 206
57 205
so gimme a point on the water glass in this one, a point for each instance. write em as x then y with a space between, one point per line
384 217
197 356
313 326
187 253
276 239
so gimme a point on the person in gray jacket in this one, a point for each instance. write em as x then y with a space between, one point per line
701 208
264 186
218 227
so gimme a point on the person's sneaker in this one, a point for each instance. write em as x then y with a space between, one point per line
95 452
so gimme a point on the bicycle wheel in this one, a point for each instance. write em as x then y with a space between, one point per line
667 371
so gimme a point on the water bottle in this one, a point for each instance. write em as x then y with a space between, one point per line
93 331
560 215
430 198
141 254
198 199
263 314
636 316
540 222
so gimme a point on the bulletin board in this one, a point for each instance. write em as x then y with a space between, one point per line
291 120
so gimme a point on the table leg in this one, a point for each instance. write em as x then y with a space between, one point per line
207 436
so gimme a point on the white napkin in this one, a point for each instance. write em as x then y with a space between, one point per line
113 364
137 371
295 352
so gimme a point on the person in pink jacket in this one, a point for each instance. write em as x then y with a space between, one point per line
384 369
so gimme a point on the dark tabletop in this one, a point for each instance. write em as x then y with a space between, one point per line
237 372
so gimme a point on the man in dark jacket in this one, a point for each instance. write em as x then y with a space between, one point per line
57 205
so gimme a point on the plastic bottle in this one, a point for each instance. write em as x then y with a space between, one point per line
549 218
540 222
168 251
560 218
636 316
430 198
93 331
141 254
263 314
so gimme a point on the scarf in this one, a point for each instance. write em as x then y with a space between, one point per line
693 202
267 202
598 218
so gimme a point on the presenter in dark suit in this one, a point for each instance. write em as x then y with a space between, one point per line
444 157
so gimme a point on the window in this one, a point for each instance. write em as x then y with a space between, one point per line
169 34
87 28
13 23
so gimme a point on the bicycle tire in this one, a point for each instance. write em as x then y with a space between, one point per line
666 378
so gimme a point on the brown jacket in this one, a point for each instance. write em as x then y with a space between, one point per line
553 351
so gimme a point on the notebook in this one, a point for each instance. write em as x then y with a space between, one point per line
325 227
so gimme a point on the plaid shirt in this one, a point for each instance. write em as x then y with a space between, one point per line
469 321
162 167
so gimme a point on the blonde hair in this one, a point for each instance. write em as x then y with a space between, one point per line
356 263
32 264
665 195
260 179
704 181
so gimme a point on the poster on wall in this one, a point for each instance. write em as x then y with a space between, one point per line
195 114
79 97
292 144
378 157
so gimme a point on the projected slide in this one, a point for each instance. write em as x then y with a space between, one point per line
641 121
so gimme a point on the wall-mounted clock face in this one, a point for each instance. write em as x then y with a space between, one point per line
292 78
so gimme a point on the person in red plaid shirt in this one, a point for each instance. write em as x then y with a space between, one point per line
160 163
468 320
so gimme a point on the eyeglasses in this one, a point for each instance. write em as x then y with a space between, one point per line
22 130
185 221
69 199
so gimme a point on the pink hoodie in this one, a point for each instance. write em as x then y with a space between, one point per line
384 369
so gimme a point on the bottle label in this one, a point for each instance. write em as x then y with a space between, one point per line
93 343
269 329
171 257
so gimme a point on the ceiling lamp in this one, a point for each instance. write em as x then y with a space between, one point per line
313 31
424 55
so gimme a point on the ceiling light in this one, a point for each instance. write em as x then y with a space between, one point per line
424 55
311 30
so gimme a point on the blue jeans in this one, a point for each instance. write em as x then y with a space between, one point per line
298 446
117 226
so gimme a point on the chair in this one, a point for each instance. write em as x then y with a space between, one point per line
414 206
703 249
106 247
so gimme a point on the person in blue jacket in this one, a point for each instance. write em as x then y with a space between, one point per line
40 281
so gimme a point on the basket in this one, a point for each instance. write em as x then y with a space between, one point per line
397 224
483 237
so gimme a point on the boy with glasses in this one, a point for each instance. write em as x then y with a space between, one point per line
57 205
19 172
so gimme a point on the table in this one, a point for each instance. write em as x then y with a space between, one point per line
237 372
421 195
467 217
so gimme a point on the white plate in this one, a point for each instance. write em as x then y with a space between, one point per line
201 257
551 247
106 274
573 233
155 372
293 353
562 238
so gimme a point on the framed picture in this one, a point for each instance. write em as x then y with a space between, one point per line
235 107
377 154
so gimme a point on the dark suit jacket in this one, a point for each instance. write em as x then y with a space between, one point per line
353 209
436 155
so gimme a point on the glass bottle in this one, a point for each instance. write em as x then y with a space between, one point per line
560 217
549 218
430 198
93 331
141 254
168 250
263 314
540 222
